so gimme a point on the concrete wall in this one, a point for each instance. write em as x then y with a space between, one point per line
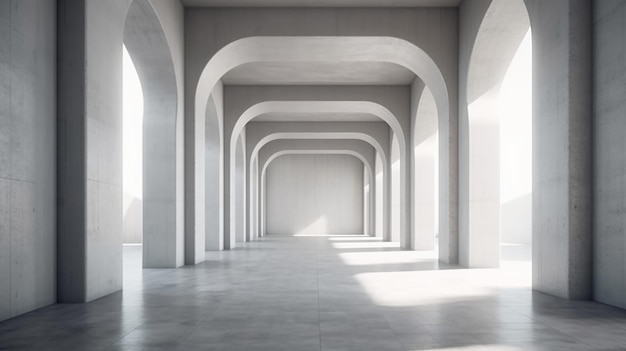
562 135
610 161
27 156
314 194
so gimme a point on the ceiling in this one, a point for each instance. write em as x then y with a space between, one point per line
318 73
317 117
321 3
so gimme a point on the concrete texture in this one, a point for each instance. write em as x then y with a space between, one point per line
350 292
562 167
90 149
314 194
609 240
27 156
374 133
364 151
265 36
147 44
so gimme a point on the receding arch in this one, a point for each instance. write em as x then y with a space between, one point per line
322 49
365 150
380 151
265 165
344 49
322 107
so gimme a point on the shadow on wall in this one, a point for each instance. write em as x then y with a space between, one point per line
133 219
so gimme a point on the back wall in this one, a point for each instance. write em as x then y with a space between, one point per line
314 194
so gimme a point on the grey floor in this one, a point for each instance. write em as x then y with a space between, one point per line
320 293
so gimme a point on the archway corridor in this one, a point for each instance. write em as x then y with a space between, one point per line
343 292
312 175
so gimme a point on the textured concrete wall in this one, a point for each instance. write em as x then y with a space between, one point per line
314 194
562 147
27 156
90 148
361 149
610 161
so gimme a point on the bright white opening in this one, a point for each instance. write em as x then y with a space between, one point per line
515 113
132 151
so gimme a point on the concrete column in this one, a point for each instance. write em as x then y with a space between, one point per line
163 212
609 157
89 148
562 147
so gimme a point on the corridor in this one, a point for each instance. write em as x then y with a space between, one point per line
319 293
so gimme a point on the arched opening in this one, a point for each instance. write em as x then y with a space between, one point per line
499 139
132 162
321 108
334 49
515 115
360 149
259 141
314 194
160 163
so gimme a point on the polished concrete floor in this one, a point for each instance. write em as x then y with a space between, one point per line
321 293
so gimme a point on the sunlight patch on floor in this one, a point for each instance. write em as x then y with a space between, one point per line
365 245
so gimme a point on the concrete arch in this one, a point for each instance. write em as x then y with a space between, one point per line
163 226
503 26
322 107
265 165
366 153
321 49
342 49
257 142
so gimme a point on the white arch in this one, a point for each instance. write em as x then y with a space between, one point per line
322 107
339 135
365 149
322 49
265 165
342 49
